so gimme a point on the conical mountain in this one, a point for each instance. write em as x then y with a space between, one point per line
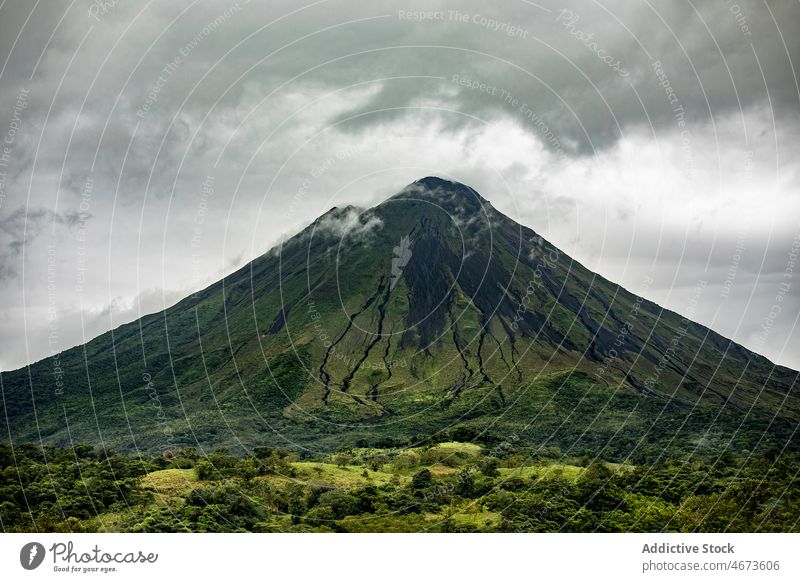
431 315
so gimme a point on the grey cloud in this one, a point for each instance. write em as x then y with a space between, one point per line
25 224
583 99
22 226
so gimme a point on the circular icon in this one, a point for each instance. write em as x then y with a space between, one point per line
31 555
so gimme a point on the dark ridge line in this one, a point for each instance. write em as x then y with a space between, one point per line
378 335
483 332
233 355
373 390
578 309
281 319
456 390
512 341
323 375
503 357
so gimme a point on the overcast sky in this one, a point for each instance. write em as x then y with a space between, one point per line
150 148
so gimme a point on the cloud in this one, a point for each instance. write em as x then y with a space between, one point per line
24 225
351 223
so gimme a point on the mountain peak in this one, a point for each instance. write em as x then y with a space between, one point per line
444 193
431 182
435 183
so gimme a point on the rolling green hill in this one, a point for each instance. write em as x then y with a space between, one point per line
431 316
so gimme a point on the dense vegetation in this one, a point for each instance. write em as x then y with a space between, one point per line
443 487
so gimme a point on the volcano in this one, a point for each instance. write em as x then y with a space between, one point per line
429 316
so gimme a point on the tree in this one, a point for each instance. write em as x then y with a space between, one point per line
465 483
489 466
421 480
204 470
262 452
342 460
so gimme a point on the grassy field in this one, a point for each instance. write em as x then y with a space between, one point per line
171 481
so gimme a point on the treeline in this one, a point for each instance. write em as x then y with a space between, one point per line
459 488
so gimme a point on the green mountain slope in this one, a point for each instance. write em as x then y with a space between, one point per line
431 315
